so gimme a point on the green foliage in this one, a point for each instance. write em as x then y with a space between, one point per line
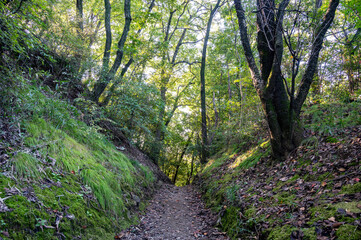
328 117
231 194
213 164
286 198
325 212
134 108
43 41
103 168
350 206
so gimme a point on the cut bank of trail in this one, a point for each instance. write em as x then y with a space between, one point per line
175 213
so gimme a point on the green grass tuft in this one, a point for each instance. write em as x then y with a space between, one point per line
26 166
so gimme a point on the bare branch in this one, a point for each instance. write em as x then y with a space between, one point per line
194 42
257 81
179 44
179 17
186 62
312 62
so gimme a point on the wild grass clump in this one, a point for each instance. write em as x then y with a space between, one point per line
26 166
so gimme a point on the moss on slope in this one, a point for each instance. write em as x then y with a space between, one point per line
65 180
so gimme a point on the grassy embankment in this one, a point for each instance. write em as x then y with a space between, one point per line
60 177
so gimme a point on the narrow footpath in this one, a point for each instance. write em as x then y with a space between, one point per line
175 213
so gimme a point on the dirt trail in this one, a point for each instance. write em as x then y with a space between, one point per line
175 213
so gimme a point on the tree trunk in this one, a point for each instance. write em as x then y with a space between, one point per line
107 76
350 61
316 83
229 93
108 37
191 171
130 61
181 158
163 117
204 152
79 8
280 105
116 83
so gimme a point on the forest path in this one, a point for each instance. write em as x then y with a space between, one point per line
175 213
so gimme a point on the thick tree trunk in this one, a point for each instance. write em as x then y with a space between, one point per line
281 106
286 133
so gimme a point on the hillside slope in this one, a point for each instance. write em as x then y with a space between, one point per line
314 194
60 178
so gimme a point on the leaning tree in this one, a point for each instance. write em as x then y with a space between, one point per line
282 95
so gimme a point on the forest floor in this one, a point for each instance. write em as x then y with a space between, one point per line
175 213
314 194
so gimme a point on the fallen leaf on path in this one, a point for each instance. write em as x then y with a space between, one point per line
337 224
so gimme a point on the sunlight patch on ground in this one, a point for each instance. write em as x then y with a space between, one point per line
209 163
249 155
242 157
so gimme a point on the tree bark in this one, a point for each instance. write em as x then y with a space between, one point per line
181 158
79 8
191 171
312 62
116 83
229 93
205 145
130 61
349 58
108 37
104 80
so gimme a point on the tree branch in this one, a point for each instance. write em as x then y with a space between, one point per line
179 44
186 62
312 62
256 77
179 17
